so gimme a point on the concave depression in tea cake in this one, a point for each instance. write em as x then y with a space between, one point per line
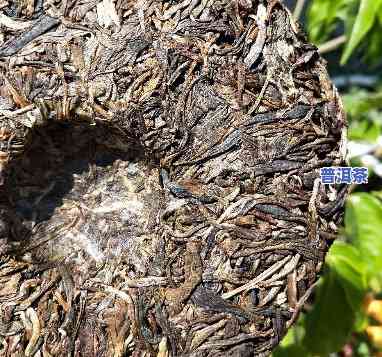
159 165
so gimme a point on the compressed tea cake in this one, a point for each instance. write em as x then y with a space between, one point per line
159 171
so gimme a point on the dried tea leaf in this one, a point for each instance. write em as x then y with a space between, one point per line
159 176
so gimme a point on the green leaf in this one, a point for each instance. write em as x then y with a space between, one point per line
359 102
330 323
322 16
376 282
291 344
348 263
377 194
379 14
365 130
292 350
363 225
316 16
374 45
361 322
366 17
339 300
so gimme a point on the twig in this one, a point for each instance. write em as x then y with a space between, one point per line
332 44
300 305
298 9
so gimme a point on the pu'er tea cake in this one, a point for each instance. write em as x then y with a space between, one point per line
159 176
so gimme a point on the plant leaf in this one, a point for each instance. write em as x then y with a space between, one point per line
350 267
339 300
363 222
330 323
292 350
322 16
365 19
291 344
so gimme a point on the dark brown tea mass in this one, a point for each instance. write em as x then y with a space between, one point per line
159 176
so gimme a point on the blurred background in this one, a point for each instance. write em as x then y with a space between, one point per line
344 315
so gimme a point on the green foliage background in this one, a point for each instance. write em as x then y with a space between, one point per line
336 324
